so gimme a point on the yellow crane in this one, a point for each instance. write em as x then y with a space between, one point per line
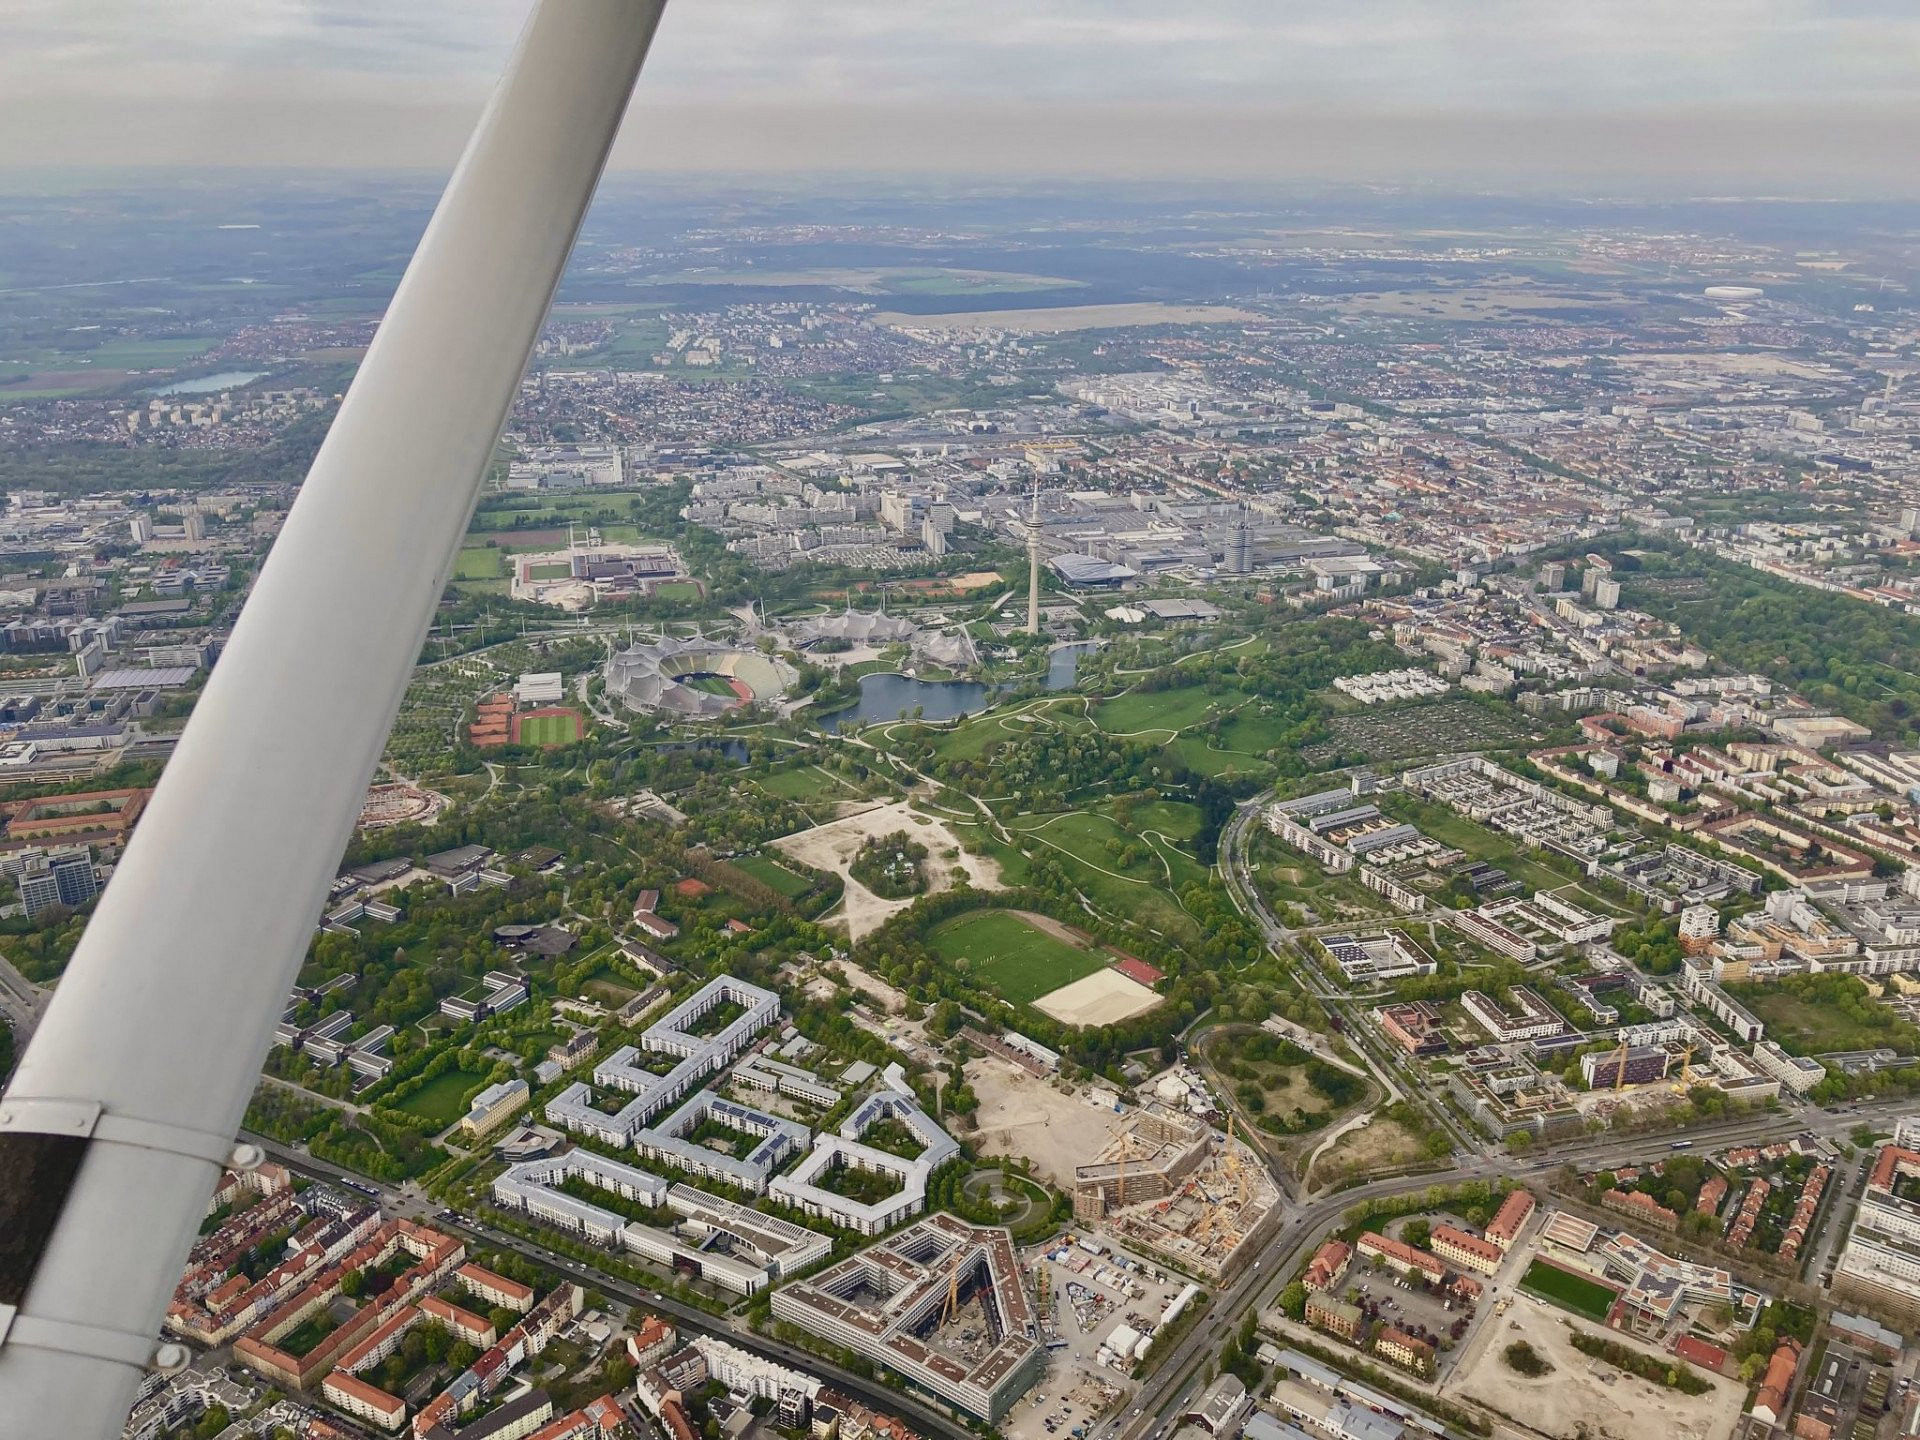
1685 1082
1620 1067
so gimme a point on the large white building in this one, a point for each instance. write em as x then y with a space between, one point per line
700 1056
737 1248
803 1190
1879 1265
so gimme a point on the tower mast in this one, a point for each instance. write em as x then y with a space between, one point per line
1033 561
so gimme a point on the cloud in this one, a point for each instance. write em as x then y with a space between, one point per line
883 82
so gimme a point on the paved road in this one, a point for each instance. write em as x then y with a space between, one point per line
21 1002
1178 1377
1394 1070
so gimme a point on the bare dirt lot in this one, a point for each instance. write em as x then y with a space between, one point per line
834 845
1582 1396
1102 998
1373 1144
1022 1115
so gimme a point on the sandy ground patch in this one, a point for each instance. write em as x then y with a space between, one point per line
1066 317
1022 1115
1102 998
893 1000
1583 1394
833 846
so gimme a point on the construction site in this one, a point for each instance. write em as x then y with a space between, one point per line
941 1302
1173 1187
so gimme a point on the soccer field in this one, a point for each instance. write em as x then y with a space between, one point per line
1019 961
1582 1296
549 730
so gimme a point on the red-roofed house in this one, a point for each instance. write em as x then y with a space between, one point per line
1641 1206
1402 1257
1510 1218
364 1401
1329 1263
1468 1252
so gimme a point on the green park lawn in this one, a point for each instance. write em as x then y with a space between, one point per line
1174 710
774 876
442 1099
480 562
804 783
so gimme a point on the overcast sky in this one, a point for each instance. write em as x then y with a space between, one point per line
1757 96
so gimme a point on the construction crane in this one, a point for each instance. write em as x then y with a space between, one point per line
950 1310
1620 1067
1685 1082
1235 1168
124 1108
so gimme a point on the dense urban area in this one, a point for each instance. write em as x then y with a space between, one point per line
1080 816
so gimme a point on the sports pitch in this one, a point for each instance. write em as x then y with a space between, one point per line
1021 962
549 729
1584 1297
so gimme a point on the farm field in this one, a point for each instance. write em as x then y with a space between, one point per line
1015 957
1584 1297
443 1098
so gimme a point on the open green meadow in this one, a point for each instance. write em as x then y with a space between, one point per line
442 1099
1008 953
774 876
1120 870
807 782
480 562
1169 710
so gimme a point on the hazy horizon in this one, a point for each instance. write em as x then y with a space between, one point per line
1773 97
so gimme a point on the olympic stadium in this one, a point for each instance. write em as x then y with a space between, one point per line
695 679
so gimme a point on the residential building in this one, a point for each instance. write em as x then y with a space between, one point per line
493 1106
